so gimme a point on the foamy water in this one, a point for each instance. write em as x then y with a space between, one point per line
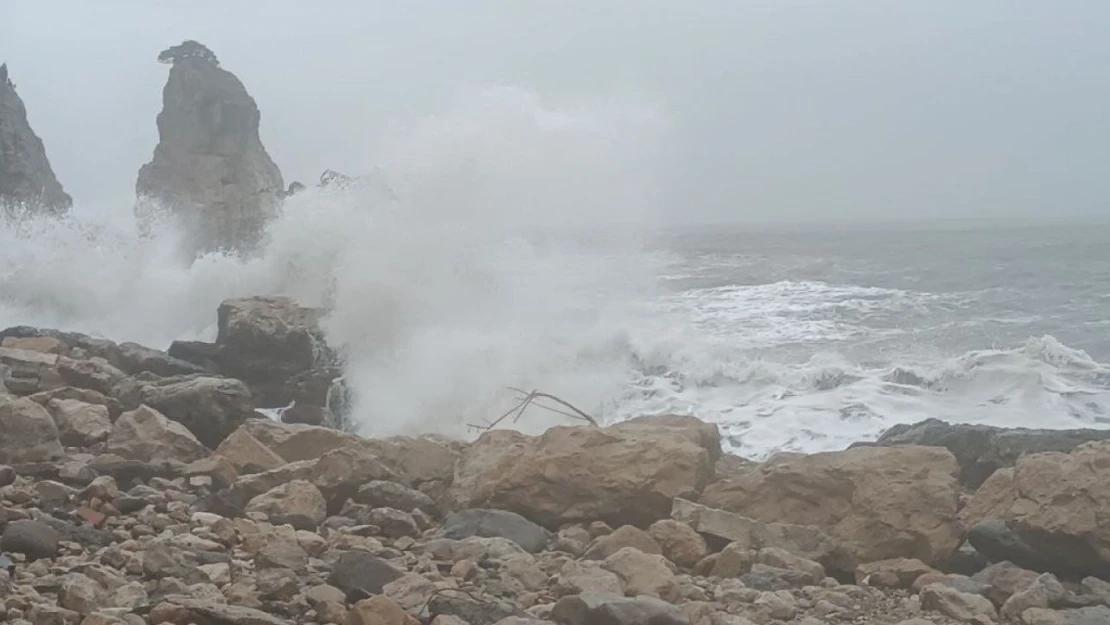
517 247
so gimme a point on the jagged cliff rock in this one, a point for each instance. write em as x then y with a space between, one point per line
26 179
210 170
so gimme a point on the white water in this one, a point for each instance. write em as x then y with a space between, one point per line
514 251
469 282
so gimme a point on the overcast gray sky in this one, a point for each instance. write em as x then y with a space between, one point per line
781 110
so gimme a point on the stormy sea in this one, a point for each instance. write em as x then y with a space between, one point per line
506 244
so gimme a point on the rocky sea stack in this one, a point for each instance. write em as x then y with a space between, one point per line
142 487
210 170
27 182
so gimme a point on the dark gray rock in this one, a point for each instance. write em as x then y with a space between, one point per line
360 574
275 346
33 539
495 524
980 449
597 609
7 475
999 541
27 182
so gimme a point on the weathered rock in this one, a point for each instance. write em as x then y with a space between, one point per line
211 408
247 454
896 573
955 604
95 373
495 524
1055 505
81 594
768 578
379 610
34 539
128 357
209 167
80 424
386 494
877 503
1046 591
472 610
223 614
411 591
734 560
982 449
29 433
812 571
360 575
1003 580
393 523
680 543
27 182
623 536
804 540
298 498
26 372
624 474
643 574
599 609
1097 615
579 576
145 434
87 396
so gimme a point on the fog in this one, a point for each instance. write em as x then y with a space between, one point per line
777 111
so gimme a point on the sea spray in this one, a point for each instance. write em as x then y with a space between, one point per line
510 245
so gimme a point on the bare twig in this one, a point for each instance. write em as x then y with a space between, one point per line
528 398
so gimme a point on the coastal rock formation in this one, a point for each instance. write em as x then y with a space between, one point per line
210 170
1050 510
982 449
127 500
276 347
625 474
877 503
27 182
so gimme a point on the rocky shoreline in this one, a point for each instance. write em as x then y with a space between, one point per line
142 486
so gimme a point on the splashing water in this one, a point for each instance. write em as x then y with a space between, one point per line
516 247
510 247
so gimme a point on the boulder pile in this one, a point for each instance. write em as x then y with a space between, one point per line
143 487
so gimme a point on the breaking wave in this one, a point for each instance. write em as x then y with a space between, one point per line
466 279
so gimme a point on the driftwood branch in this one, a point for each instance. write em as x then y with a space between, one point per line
528 398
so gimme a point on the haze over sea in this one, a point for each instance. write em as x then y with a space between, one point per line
580 200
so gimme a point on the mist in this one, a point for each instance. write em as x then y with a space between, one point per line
779 111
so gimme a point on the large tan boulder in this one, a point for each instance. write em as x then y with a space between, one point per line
1057 504
623 474
875 503
413 460
211 407
79 423
298 498
147 435
26 372
27 432
747 534
244 451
